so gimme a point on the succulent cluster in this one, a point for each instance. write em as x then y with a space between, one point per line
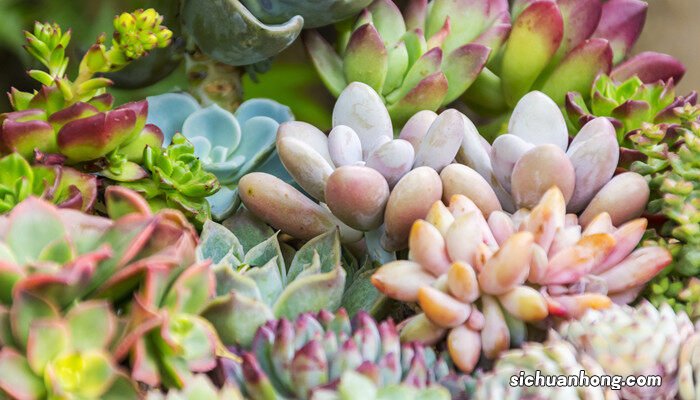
363 176
420 60
314 356
562 46
536 154
477 277
227 145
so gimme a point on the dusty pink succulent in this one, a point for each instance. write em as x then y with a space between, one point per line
470 272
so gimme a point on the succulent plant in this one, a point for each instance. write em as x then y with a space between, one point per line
227 145
244 32
299 358
616 338
63 186
536 154
421 60
254 283
689 369
555 357
195 388
561 46
627 104
65 255
521 268
46 355
166 339
354 384
363 177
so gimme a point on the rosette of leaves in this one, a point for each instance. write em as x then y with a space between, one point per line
420 60
177 180
197 387
63 186
166 340
245 32
561 46
324 355
228 145
628 105
48 355
258 279
65 255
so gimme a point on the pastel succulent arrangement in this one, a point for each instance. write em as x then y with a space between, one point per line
193 245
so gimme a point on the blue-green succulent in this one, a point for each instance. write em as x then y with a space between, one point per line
228 145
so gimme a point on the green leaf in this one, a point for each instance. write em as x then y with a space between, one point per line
17 378
216 242
268 280
91 325
311 294
327 62
266 251
237 318
366 59
47 339
248 228
328 248
41 76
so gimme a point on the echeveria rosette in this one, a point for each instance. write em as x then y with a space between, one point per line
65 255
615 338
366 181
254 284
63 186
479 277
628 105
197 387
166 339
245 32
420 60
561 46
177 180
536 154
321 354
228 145
46 355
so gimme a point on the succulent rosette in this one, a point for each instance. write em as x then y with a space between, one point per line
561 46
479 277
628 105
65 255
420 60
363 178
536 154
244 32
310 357
256 282
228 145
555 357
65 187
197 387
616 338
47 355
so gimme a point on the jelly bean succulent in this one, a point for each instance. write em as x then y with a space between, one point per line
628 104
260 278
65 187
536 154
46 354
616 337
561 46
227 145
420 60
364 179
250 31
479 278
312 355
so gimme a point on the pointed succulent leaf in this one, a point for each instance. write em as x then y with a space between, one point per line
268 281
327 246
93 137
462 66
150 136
537 119
26 309
33 225
621 24
428 94
327 62
650 67
581 18
536 35
25 131
217 242
366 58
18 380
265 251
311 293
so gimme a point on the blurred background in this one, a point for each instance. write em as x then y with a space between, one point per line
672 27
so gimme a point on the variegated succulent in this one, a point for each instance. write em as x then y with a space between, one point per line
260 279
536 155
47 355
554 359
361 175
641 341
561 46
228 145
420 60
478 277
311 355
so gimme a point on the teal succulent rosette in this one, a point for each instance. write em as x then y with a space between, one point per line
228 145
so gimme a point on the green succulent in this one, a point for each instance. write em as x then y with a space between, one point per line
177 180
46 355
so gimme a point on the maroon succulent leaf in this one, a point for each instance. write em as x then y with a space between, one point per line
93 137
76 111
621 23
140 108
650 67
102 102
26 131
